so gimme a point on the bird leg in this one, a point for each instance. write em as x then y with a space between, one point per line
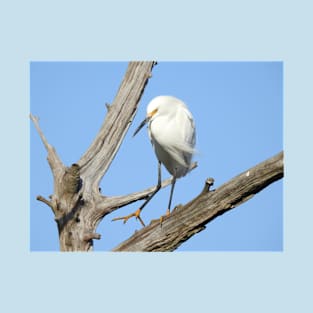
137 212
168 211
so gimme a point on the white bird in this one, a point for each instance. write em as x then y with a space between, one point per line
172 133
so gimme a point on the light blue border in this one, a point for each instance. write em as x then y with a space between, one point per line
184 282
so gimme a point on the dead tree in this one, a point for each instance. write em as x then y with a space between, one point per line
78 205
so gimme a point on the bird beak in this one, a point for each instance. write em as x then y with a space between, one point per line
142 124
145 121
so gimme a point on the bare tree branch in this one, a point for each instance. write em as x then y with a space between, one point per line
53 158
191 218
97 159
47 202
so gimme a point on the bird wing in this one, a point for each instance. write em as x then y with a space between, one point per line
187 140
183 148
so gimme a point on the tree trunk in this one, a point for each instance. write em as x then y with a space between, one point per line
77 204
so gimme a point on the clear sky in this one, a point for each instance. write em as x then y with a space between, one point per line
237 107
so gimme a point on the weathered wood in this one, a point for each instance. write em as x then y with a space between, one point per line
120 114
76 202
191 218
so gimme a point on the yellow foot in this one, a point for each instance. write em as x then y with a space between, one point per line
160 220
167 214
126 218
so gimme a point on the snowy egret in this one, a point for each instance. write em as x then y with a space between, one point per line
172 133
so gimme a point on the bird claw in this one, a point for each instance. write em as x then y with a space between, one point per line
161 219
127 217
166 215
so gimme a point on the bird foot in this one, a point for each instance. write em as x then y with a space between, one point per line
160 220
166 215
127 217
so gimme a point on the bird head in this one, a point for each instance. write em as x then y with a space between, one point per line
157 106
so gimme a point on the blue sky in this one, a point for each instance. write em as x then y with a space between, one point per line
237 107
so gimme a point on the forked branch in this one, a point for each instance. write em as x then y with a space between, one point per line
76 188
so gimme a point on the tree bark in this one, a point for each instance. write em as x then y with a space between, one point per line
187 220
77 204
